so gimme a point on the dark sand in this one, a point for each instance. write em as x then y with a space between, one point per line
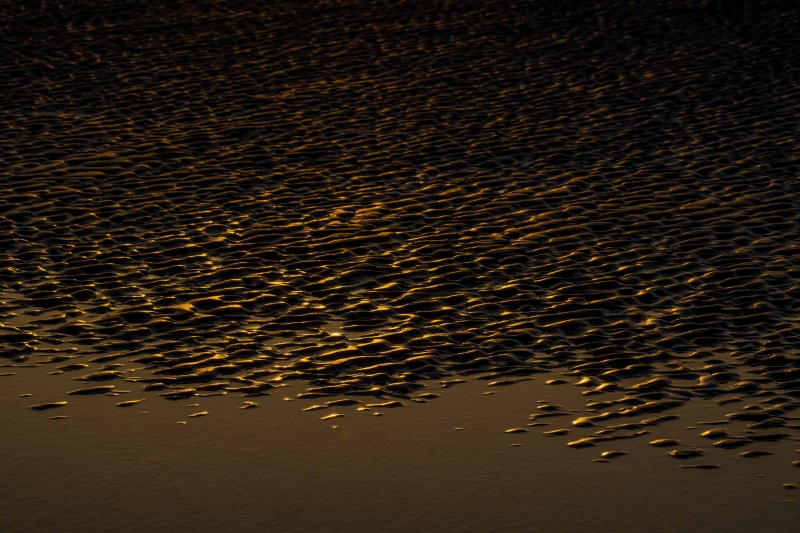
274 468
217 215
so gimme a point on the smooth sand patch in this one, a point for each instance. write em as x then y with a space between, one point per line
277 468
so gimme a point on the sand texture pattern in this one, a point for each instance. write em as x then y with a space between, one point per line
353 198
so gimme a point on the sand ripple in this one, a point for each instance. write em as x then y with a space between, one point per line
225 198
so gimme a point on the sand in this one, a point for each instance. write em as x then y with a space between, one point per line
328 266
278 468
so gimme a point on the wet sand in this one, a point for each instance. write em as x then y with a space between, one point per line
278 468
443 266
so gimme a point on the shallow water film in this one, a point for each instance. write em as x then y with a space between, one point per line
365 203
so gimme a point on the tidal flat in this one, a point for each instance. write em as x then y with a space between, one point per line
391 266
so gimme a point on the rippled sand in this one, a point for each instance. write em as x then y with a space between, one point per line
212 213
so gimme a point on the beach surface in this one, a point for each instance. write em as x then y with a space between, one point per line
443 466
390 266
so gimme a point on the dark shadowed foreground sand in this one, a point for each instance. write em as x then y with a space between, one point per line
391 266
